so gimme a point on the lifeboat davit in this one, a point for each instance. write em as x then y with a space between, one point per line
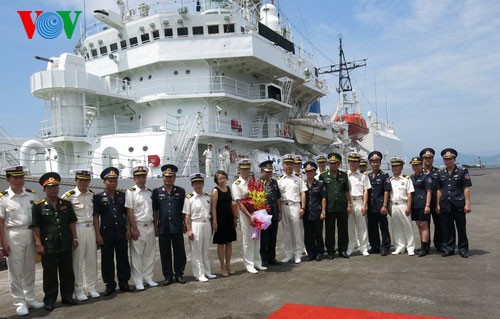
356 124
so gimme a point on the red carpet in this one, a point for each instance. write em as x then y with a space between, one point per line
291 311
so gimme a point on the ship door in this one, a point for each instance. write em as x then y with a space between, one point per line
110 157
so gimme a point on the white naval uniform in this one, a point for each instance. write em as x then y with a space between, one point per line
225 160
15 210
198 208
142 250
356 223
251 247
209 155
401 227
293 228
85 256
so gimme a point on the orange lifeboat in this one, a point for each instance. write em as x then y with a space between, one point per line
356 124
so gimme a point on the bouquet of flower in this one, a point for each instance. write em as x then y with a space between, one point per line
256 203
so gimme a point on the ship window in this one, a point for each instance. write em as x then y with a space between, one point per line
133 41
212 29
188 71
156 34
182 32
145 148
113 47
149 77
94 52
197 30
179 111
123 44
140 79
130 149
169 33
176 72
229 28
103 50
242 29
145 38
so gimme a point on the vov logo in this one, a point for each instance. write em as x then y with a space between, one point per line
49 25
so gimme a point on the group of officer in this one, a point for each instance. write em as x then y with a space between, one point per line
66 230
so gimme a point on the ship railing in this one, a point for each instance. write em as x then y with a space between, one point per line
199 85
216 125
64 126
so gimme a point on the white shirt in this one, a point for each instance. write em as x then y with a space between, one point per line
290 187
359 182
15 209
197 206
239 188
82 204
140 201
208 154
401 188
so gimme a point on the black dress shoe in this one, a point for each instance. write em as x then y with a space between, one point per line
125 288
180 279
447 254
319 258
168 281
464 254
109 291
69 302
330 256
384 253
310 258
265 264
343 255
374 251
274 262
49 307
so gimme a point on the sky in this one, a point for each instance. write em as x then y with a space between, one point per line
433 65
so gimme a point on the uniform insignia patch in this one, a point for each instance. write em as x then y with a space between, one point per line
189 195
3 193
467 176
68 194
40 202
132 188
30 190
238 182
429 180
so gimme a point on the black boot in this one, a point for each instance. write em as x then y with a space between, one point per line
424 249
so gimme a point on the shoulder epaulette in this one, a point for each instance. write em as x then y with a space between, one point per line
365 173
91 191
206 194
238 182
29 190
189 195
132 188
149 189
65 199
406 176
41 201
69 193
3 193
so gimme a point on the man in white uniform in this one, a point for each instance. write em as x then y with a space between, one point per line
16 240
360 184
199 227
321 161
297 167
402 231
209 156
142 244
225 159
251 247
290 186
85 257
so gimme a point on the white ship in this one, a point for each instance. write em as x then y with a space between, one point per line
155 84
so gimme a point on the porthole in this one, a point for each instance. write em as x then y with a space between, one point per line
149 77
179 111
145 148
188 71
130 149
140 79
176 72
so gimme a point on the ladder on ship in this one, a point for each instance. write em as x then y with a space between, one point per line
187 143
258 124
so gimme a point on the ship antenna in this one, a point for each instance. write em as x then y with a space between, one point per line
84 20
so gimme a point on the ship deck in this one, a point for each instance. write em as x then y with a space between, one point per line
451 287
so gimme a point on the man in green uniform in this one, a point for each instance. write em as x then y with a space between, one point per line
339 207
53 224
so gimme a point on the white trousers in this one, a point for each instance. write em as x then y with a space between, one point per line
356 226
293 230
208 165
200 264
142 254
21 263
251 247
85 259
402 231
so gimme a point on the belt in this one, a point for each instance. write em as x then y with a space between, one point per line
144 224
398 202
290 203
17 227
200 220
84 224
357 197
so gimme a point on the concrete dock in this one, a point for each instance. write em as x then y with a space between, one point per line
451 287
